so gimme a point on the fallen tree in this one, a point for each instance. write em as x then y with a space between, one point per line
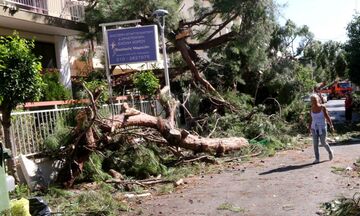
91 131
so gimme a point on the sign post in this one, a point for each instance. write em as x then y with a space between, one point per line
128 46
132 45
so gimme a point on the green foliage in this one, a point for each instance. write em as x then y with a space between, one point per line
146 82
60 137
93 169
137 160
104 11
352 48
287 79
266 132
240 100
327 59
230 207
20 79
285 39
297 114
94 86
356 101
343 206
98 201
238 62
21 190
53 89
166 189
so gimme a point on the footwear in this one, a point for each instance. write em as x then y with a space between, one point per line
331 154
316 161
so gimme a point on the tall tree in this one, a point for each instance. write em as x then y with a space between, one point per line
352 48
20 81
328 60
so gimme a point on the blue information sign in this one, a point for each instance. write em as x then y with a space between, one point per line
133 45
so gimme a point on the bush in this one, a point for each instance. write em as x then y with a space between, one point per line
53 89
146 82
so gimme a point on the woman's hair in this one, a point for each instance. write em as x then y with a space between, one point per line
314 97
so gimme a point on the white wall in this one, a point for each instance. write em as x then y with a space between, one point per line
62 60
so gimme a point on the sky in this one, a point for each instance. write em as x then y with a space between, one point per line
327 19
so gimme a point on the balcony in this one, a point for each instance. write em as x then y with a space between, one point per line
65 9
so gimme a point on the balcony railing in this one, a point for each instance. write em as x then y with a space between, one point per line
66 9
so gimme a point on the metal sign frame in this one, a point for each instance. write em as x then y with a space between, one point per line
107 66
145 37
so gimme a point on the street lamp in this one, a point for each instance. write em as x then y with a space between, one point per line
257 86
160 20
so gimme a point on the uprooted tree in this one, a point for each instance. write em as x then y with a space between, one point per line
93 131
237 38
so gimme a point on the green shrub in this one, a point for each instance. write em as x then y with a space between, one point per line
146 82
53 89
60 137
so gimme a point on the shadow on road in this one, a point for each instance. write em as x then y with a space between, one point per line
289 168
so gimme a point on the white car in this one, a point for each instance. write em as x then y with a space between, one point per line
325 97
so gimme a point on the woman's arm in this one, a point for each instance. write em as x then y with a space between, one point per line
327 117
309 127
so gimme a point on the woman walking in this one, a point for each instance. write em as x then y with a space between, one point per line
317 126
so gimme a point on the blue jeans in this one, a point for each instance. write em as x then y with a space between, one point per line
316 136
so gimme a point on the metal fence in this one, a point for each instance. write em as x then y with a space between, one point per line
30 129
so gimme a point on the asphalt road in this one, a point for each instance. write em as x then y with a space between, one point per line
287 184
337 111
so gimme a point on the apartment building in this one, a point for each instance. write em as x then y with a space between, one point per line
52 24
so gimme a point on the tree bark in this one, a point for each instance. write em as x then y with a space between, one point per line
183 48
6 123
176 137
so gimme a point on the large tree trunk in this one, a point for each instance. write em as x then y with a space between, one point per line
6 123
174 136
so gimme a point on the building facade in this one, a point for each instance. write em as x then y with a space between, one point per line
52 24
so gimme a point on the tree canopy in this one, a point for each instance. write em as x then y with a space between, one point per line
20 80
352 48
233 45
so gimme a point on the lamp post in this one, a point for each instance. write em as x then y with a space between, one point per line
257 85
160 20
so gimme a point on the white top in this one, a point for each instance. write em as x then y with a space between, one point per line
318 121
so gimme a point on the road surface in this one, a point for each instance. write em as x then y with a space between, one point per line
337 111
287 184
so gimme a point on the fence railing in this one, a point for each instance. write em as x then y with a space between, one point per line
30 129
66 9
